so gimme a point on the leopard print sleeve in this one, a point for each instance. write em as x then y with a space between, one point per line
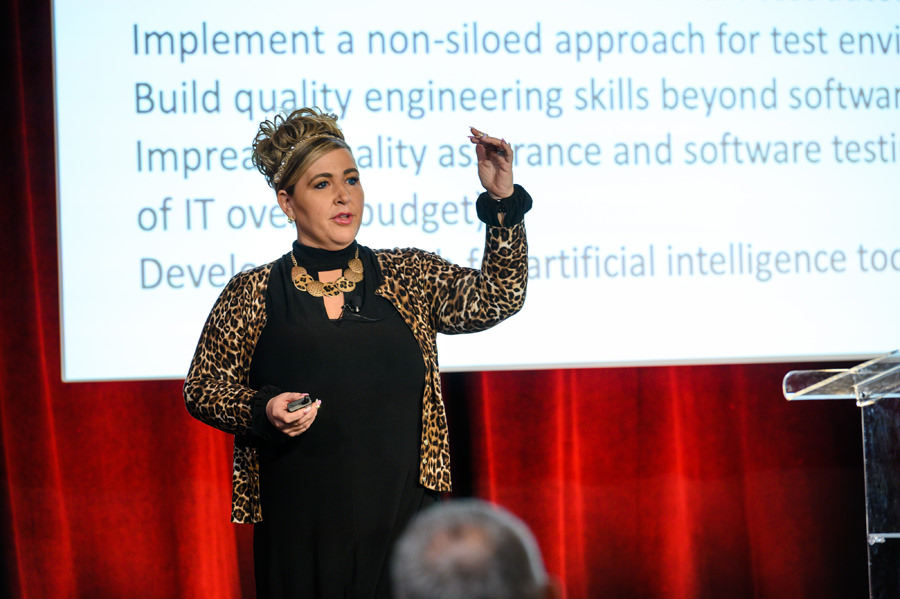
216 388
467 300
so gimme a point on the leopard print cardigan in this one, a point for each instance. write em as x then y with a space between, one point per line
432 295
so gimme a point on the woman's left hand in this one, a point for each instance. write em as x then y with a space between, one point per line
495 159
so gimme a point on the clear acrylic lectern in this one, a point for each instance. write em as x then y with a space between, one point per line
875 385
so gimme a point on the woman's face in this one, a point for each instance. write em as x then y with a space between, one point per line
327 202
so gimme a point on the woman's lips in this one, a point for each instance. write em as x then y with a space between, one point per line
344 218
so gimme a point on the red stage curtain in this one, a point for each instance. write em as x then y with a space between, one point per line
674 481
688 482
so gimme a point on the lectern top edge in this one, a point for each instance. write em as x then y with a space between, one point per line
865 382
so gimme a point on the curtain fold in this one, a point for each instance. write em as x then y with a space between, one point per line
687 482
37 520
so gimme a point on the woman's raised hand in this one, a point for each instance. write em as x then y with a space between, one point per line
291 423
495 159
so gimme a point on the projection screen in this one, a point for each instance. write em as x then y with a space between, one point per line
714 181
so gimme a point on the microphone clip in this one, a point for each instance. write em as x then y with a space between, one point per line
353 305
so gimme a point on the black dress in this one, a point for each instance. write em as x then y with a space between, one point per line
335 498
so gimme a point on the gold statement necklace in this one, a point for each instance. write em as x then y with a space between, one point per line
353 274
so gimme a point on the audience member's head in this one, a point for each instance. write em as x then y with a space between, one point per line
469 549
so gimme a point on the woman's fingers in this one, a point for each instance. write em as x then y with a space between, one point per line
495 163
480 137
489 144
291 423
302 423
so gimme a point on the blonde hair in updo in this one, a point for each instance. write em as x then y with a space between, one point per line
276 138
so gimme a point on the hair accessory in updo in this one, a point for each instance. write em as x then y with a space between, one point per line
287 157
287 145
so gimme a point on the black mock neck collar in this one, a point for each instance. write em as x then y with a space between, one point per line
317 259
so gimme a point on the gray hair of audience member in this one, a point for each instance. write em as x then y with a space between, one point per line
468 548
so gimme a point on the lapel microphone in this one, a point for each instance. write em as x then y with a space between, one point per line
352 308
353 304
